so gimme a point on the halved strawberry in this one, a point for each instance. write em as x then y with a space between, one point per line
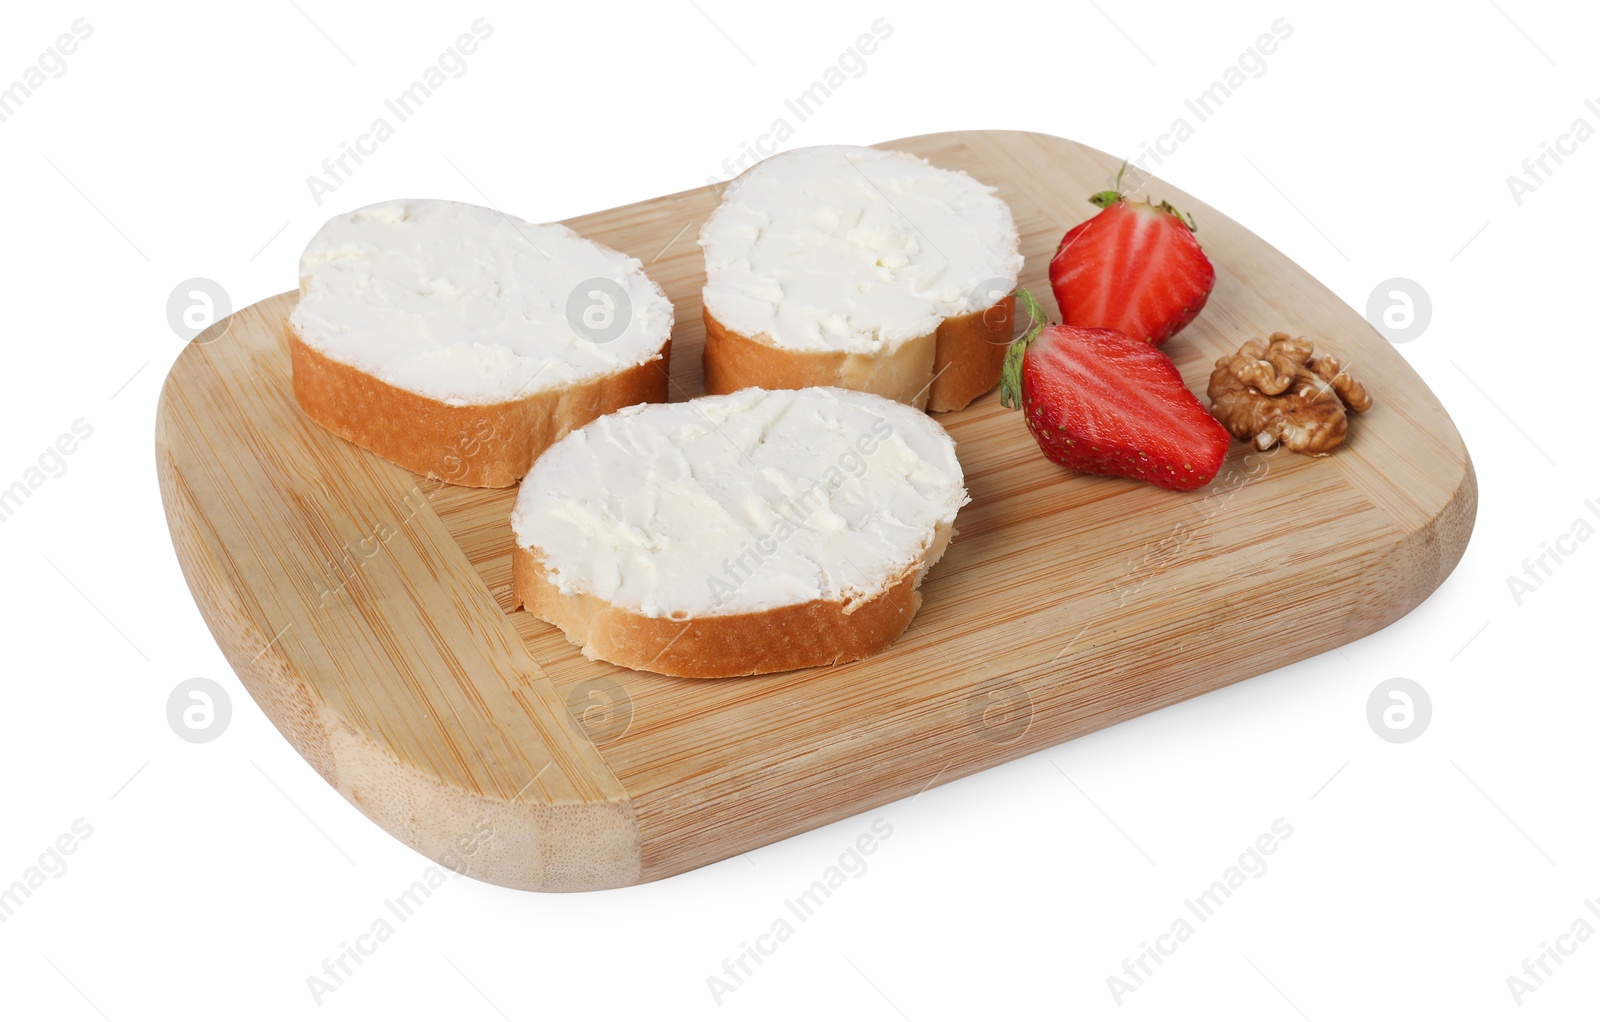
1132 267
1099 401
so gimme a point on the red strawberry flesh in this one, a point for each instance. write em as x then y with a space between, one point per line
1133 267
1098 401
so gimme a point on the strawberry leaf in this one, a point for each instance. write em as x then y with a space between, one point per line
1112 196
1011 371
1037 318
1183 218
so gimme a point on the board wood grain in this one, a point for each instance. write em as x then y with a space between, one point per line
368 611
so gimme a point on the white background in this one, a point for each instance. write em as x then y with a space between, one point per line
1376 144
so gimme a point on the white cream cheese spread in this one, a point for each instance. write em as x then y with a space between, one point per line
467 305
854 249
742 502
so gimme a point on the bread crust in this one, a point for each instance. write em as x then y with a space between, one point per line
815 634
969 353
962 357
487 445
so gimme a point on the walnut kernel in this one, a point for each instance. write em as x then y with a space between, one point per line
1280 391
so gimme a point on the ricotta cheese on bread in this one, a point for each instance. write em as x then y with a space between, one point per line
459 342
735 534
863 268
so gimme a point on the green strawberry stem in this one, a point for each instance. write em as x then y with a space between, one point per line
1011 371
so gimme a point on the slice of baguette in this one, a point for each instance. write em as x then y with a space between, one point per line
737 534
459 342
861 268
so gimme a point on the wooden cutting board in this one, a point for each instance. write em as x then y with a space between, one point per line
368 610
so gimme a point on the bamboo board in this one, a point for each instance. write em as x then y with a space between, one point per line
368 611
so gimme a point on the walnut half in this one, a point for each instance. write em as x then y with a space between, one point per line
1279 390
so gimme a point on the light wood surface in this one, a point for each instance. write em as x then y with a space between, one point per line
367 611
